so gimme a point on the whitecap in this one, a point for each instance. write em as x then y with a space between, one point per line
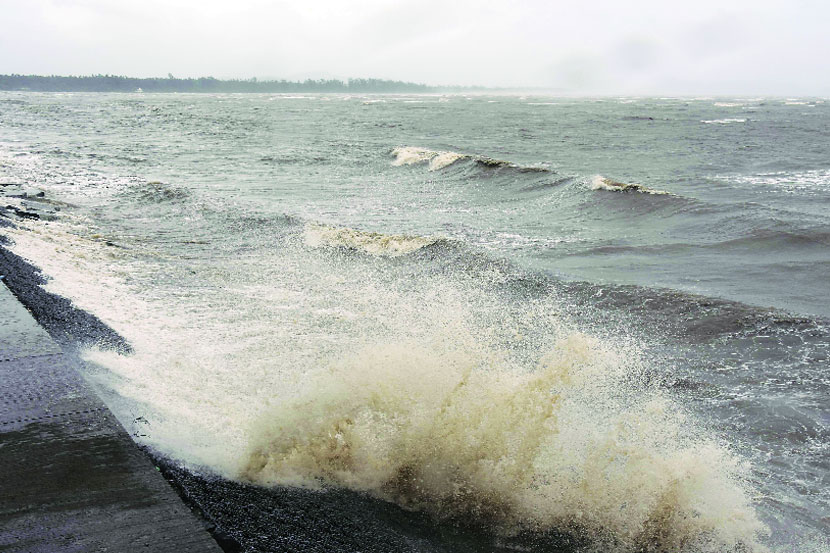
723 121
598 182
374 243
411 155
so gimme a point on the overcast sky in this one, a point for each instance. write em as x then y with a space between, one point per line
577 46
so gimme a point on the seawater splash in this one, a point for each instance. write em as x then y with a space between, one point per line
453 428
374 243
598 182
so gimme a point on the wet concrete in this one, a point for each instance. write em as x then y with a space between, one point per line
71 479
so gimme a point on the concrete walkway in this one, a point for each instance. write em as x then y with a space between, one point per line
71 478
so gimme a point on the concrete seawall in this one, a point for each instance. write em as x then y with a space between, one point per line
71 478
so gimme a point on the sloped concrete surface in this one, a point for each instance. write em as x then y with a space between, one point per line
71 479
21 336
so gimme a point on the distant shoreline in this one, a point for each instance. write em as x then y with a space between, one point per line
116 83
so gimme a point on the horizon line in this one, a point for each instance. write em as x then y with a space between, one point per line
425 88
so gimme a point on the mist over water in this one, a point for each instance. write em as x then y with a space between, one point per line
477 307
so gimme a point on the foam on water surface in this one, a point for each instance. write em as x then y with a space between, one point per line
410 155
374 243
725 121
598 182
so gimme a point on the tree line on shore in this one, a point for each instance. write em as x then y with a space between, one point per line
117 83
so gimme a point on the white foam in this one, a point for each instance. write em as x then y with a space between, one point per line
444 159
802 182
374 243
724 121
460 431
412 155
598 182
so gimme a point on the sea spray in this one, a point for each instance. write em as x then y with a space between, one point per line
462 433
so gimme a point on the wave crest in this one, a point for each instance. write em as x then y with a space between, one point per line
412 155
598 182
373 243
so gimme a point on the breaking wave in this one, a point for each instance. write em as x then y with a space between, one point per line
455 429
410 155
413 155
598 182
373 243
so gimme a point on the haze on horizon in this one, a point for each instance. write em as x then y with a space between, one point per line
713 47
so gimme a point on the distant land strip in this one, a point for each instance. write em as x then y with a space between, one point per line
117 83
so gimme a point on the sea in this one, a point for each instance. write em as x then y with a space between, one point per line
606 318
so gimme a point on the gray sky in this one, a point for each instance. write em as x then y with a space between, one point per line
599 46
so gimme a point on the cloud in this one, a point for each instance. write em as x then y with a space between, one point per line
601 46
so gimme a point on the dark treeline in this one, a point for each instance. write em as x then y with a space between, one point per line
114 83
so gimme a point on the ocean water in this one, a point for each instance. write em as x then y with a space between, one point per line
607 317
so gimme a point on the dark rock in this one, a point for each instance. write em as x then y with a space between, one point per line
22 213
4 222
280 519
